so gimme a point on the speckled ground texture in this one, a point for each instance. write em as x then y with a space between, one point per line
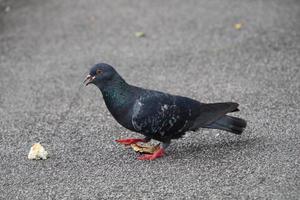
191 48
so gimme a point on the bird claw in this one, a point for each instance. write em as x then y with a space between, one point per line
159 153
129 141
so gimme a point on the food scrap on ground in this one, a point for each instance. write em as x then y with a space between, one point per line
144 149
37 151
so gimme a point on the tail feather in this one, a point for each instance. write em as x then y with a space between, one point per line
229 123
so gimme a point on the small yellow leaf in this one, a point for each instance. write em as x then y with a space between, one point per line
238 26
139 34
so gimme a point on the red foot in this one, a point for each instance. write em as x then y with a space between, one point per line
159 153
130 141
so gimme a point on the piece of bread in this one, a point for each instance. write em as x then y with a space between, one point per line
144 149
37 152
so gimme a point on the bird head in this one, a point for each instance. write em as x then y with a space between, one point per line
100 74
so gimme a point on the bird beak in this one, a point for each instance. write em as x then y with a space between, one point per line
89 79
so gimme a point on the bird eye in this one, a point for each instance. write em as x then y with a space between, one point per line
98 71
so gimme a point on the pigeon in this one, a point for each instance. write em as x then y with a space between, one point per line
157 115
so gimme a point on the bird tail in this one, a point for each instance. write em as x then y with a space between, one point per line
228 123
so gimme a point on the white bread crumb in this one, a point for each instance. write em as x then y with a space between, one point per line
37 152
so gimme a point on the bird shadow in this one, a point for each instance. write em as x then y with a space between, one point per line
220 149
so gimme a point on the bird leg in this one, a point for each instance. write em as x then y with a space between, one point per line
157 154
132 140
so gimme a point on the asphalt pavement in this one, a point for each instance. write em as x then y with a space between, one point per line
210 50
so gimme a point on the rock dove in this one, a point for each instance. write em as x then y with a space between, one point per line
157 115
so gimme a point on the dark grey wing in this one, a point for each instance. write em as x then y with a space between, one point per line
158 113
209 113
163 116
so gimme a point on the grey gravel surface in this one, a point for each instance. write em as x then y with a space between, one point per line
191 48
